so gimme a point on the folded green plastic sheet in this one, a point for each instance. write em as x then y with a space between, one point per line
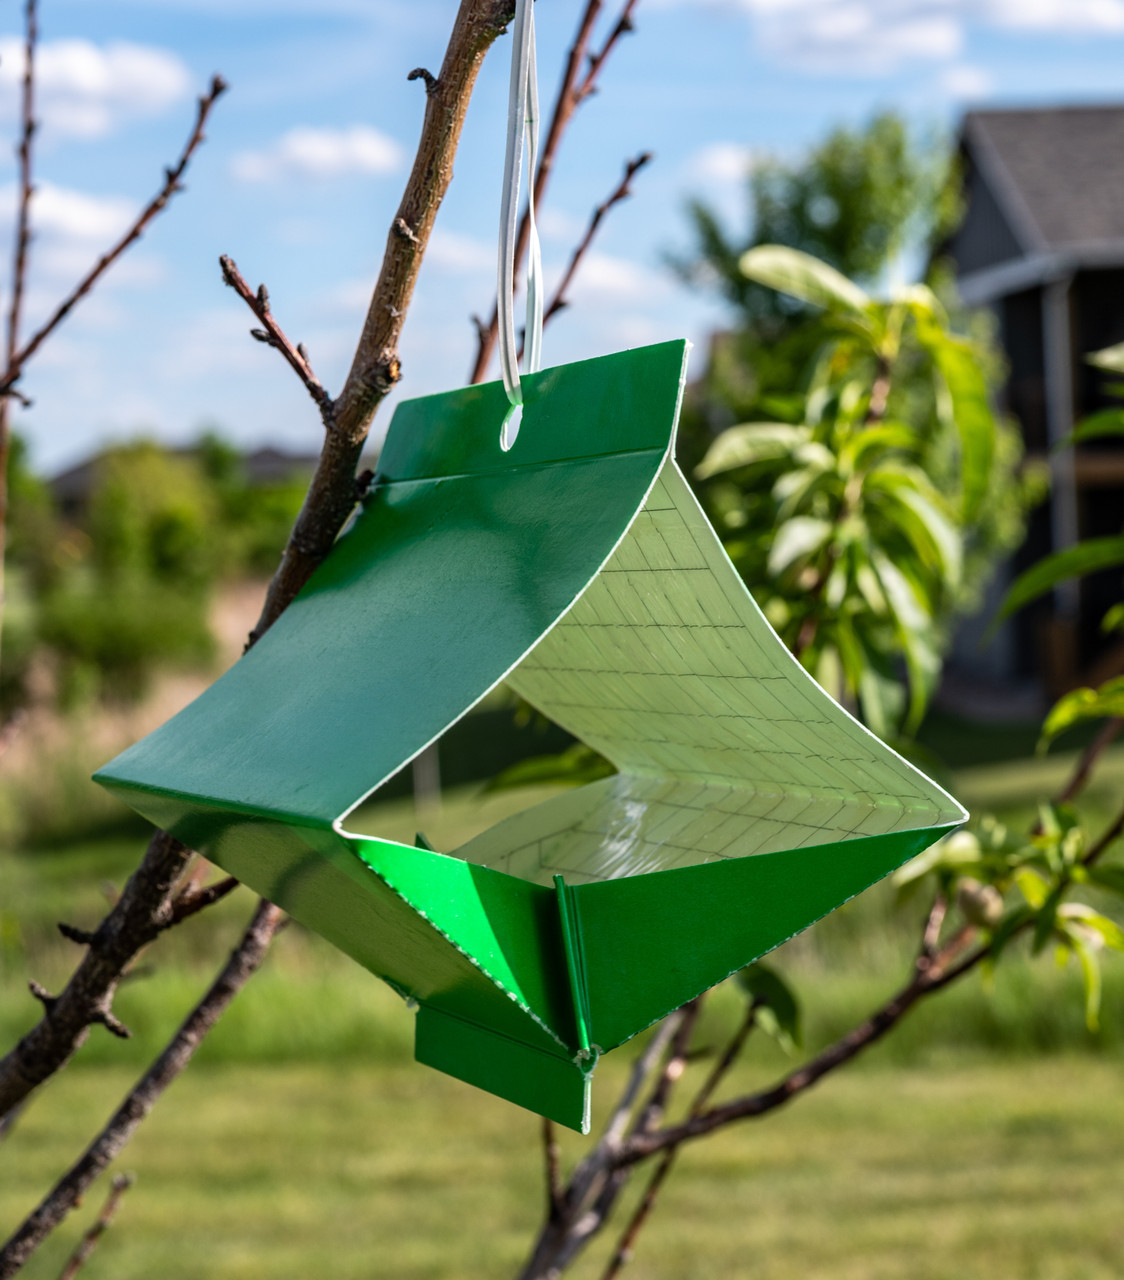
579 568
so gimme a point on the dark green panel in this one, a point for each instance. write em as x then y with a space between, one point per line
544 1083
613 404
654 941
438 589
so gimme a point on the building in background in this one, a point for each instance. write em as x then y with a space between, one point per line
1042 246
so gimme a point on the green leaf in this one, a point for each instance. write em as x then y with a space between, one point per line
751 442
1083 704
1047 919
1113 619
573 767
1008 927
802 276
1085 557
1109 932
769 990
1105 877
795 539
1090 974
1108 422
1111 358
932 534
967 408
1033 888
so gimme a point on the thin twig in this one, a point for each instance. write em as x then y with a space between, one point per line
243 962
1114 832
19 263
154 207
187 904
273 335
626 1245
621 192
572 92
552 1169
89 1242
1110 730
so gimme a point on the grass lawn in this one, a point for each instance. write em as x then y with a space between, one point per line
973 1171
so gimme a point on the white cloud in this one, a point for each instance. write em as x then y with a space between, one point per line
875 37
725 162
967 82
70 228
604 278
1071 16
307 152
460 253
88 90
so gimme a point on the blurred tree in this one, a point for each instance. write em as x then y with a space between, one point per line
857 513
857 201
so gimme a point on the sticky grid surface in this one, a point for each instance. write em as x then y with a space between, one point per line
726 746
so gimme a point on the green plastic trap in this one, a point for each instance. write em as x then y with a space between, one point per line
578 567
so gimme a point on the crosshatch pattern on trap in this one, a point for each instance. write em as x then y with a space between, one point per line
722 754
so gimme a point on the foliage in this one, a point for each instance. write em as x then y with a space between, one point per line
102 595
860 521
855 201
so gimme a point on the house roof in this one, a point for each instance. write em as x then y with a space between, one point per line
1058 173
1045 193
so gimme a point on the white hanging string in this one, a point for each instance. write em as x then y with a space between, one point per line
522 132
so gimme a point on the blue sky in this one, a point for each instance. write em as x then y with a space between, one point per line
308 152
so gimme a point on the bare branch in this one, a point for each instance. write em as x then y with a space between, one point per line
926 979
1110 731
375 367
137 917
623 26
621 192
571 94
154 207
552 1158
243 963
274 336
89 1242
19 263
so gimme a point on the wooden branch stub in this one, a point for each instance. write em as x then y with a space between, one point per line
83 937
420 73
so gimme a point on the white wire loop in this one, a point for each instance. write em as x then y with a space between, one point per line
522 134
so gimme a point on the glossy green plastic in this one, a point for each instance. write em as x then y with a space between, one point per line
577 567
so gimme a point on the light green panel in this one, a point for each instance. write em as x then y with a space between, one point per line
726 746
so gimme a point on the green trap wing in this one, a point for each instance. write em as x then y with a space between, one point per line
579 567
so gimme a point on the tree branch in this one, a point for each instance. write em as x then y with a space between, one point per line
243 962
571 94
89 1242
552 1158
155 206
274 336
626 1245
375 367
143 910
19 263
1110 731
620 192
